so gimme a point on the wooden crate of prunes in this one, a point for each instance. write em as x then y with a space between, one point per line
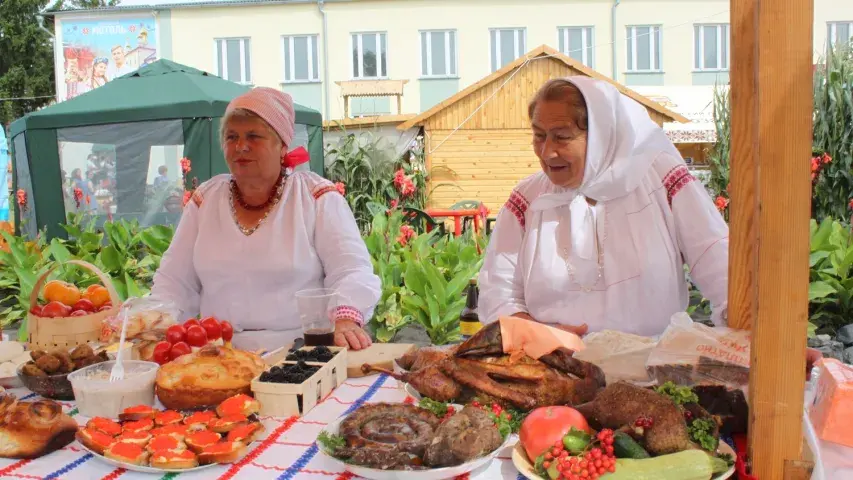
295 385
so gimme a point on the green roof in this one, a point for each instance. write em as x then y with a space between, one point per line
159 91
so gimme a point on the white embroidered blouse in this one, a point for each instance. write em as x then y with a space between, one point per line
652 217
308 240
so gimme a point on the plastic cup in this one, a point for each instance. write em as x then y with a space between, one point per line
316 308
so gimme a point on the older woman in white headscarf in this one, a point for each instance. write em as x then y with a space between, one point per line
599 238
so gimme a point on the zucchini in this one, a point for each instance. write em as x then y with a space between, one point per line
625 447
686 465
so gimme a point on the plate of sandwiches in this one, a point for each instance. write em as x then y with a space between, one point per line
149 440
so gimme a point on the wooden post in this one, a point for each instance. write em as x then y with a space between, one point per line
771 86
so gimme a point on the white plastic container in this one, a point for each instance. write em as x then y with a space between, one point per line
97 397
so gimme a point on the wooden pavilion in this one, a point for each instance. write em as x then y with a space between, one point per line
479 139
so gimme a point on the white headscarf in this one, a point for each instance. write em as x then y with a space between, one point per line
622 144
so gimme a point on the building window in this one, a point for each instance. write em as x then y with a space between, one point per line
577 43
300 58
644 42
438 53
839 33
233 59
369 52
711 47
507 45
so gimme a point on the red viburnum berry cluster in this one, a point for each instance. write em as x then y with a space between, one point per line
591 465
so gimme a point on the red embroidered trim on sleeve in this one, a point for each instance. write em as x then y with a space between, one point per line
322 190
675 180
197 198
517 204
349 313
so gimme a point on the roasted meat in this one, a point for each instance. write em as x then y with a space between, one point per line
479 369
468 435
621 404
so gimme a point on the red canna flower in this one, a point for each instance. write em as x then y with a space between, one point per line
399 178
408 187
826 158
186 165
78 196
851 204
406 234
815 164
342 189
721 202
394 203
187 196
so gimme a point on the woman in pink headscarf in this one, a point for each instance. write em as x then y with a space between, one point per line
248 241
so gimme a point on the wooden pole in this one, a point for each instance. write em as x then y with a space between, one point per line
771 86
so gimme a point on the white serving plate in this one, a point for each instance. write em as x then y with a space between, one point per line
410 391
431 474
139 468
519 459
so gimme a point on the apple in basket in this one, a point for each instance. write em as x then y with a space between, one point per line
63 299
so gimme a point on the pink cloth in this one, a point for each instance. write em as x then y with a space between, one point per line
274 106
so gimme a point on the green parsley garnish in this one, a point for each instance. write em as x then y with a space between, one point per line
701 432
439 409
331 442
679 395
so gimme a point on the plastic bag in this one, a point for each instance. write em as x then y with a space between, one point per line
691 353
621 356
148 319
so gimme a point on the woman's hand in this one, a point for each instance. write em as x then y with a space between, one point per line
349 334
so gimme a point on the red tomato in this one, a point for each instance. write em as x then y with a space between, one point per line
85 305
196 336
178 349
546 426
211 326
227 331
162 352
189 323
79 313
36 310
55 309
176 333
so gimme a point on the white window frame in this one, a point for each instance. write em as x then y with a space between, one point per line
313 77
495 48
358 37
723 29
450 56
220 53
654 46
832 32
588 51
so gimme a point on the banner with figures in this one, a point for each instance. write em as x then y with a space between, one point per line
96 51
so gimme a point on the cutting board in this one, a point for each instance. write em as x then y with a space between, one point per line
379 354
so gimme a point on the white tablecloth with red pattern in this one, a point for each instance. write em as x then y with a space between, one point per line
287 452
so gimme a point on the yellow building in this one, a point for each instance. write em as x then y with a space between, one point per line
439 47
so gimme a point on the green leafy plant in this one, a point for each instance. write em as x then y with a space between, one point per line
831 283
833 116
718 155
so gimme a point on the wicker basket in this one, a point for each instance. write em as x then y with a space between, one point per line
68 332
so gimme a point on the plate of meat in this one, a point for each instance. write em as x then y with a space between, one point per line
386 441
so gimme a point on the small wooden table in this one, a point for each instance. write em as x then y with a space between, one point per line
372 88
458 215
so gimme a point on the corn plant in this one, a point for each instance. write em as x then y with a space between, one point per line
833 117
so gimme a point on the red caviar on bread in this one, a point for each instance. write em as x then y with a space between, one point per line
168 417
127 452
137 412
104 425
174 459
222 452
227 423
139 437
94 440
200 440
247 433
164 442
240 404
200 418
178 431
140 425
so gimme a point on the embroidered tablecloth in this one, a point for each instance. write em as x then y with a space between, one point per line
289 450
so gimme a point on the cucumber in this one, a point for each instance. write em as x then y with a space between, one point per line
553 473
686 465
625 447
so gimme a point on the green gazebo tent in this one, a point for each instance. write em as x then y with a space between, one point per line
114 142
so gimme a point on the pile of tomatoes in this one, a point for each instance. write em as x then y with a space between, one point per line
190 336
66 300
